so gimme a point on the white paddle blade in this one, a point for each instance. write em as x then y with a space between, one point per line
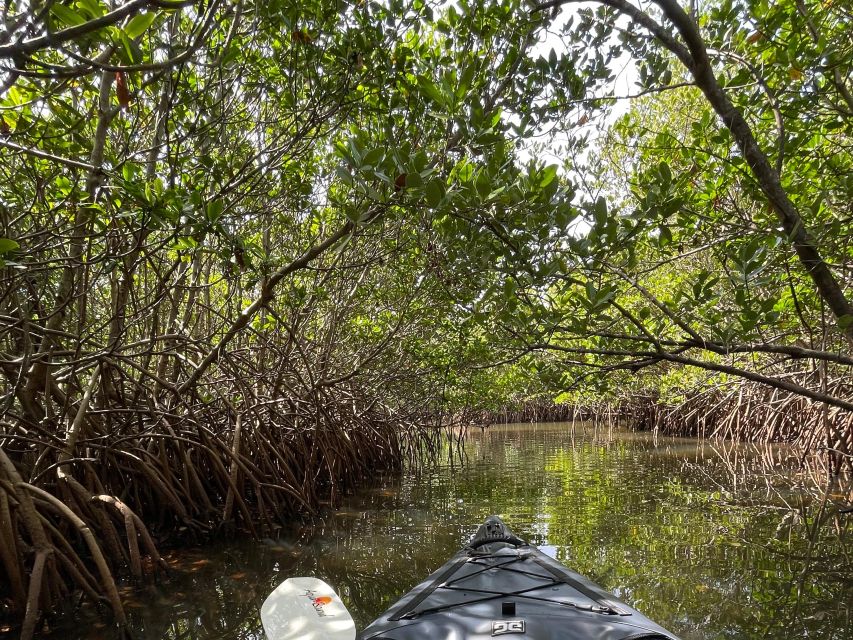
306 609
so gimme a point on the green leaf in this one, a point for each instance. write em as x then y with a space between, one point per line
419 162
434 193
428 87
374 156
94 8
548 175
591 293
7 245
599 211
231 54
129 171
483 184
67 15
563 216
665 173
139 24
344 175
132 51
343 151
186 242
356 150
414 181
214 210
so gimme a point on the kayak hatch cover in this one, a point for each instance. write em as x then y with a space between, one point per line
500 586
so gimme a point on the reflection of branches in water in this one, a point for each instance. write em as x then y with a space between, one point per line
820 563
213 595
811 545
756 413
209 608
623 511
751 467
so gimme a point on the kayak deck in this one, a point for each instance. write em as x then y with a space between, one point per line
498 585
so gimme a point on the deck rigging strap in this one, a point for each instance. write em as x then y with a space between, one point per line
496 595
429 589
565 576
441 580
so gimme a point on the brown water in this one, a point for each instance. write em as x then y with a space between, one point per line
710 544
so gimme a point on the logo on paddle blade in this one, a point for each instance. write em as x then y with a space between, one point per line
318 603
505 627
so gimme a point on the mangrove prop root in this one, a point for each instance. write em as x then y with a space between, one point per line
130 529
107 582
235 470
32 614
747 412
9 552
187 469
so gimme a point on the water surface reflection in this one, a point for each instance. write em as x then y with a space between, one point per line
710 544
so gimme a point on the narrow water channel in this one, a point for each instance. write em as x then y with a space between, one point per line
710 543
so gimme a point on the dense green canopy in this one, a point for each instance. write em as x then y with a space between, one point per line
156 152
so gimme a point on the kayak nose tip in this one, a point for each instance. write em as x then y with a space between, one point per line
491 531
493 527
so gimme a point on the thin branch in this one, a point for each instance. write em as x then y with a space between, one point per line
267 294
44 155
77 31
650 358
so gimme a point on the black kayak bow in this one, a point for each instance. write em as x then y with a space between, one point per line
499 585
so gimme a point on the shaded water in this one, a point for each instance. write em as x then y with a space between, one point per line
709 544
